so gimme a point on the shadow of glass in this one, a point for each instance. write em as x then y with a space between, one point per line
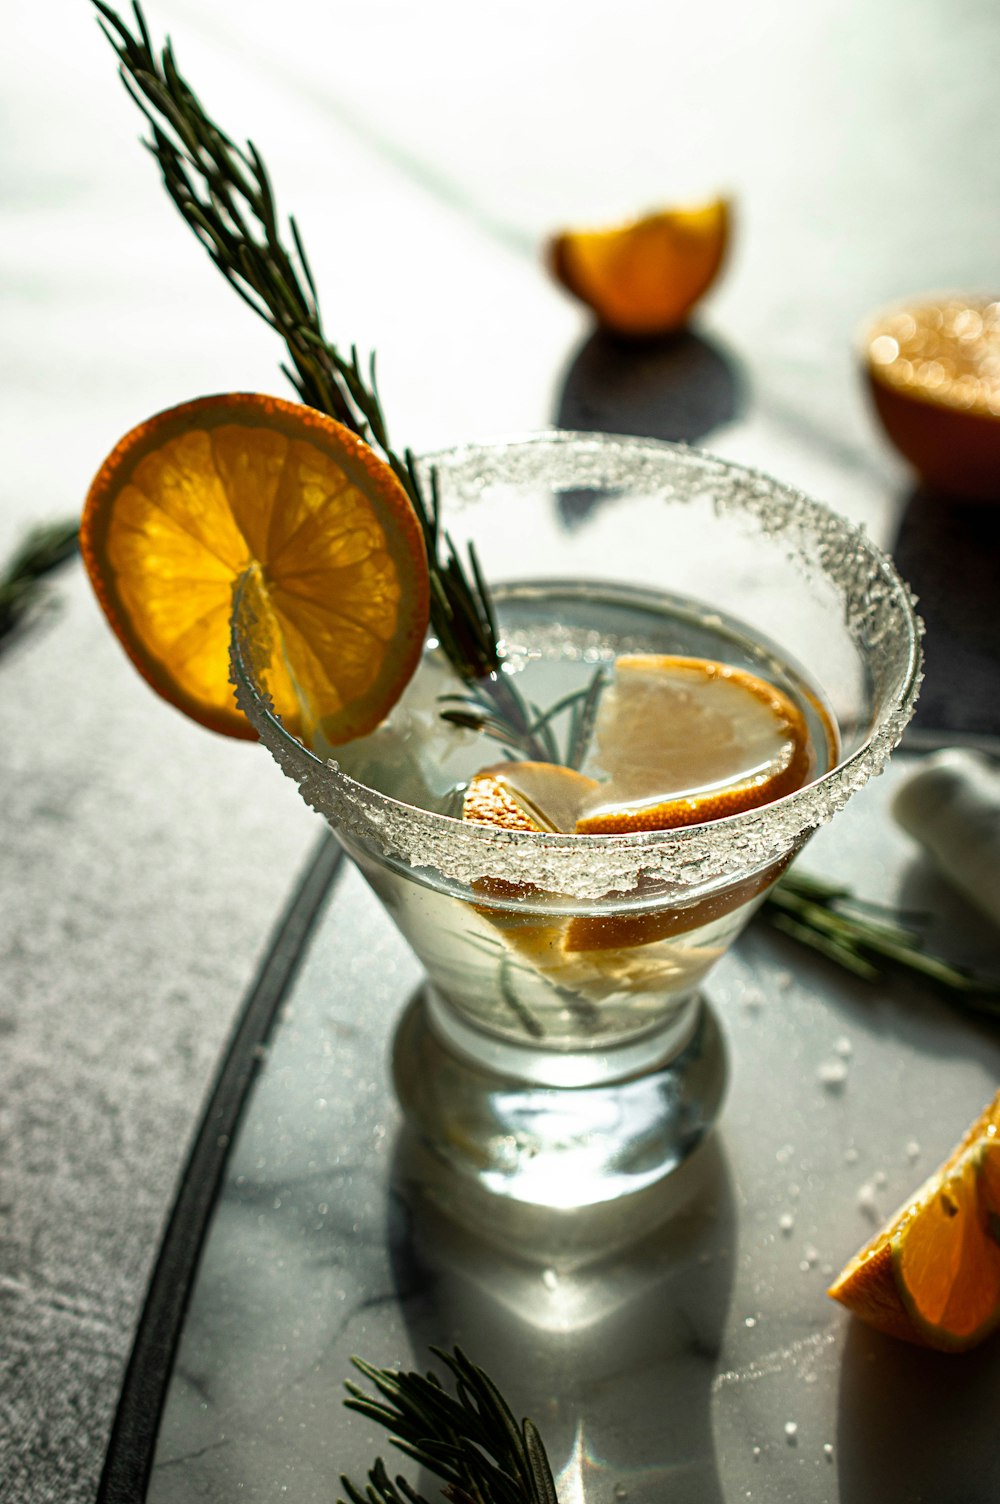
949 552
678 387
908 1417
604 1326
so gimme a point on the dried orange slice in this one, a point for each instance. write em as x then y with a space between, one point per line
541 796
933 371
932 1274
191 499
687 740
644 278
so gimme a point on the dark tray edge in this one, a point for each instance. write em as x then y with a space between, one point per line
132 1444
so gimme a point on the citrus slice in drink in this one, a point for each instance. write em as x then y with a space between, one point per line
540 796
683 741
645 277
687 740
196 497
933 372
932 1275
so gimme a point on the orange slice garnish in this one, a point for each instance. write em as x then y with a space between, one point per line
644 278
933 371
932 1274
687 740
190 500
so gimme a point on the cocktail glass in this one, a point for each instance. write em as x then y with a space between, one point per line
568 1072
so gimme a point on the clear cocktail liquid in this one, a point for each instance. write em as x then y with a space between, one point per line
498 959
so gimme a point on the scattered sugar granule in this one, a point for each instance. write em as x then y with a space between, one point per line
833 1074
912 1150
786 1222
828 1451
867 1202
844 1048
791 1432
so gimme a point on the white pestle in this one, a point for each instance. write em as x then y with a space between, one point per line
951 805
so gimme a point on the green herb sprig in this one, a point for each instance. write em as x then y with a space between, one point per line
223 193
23 582
867 939
470 1439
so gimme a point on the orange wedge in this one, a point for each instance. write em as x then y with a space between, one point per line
644 278
190 500
932 1275
686 740
933 372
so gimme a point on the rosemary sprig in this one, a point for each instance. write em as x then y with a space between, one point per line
23 581
865 938
470 1439
223 193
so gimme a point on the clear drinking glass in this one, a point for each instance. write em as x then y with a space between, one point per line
561 1052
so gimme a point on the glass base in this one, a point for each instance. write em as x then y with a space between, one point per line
560 1146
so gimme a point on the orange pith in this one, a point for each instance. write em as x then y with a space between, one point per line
932 1275
194 497
933 371
644 278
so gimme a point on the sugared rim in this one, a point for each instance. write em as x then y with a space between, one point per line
589 866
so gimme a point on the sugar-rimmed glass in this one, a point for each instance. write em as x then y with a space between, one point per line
569 1077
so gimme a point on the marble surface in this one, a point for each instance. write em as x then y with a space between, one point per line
426 152
679 1346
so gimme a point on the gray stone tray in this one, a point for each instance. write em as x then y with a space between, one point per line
683 1352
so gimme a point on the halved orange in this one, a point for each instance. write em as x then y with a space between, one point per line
932 1275
645 277
190 500
933 372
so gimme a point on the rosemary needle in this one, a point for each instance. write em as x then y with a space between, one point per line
865 937
470 1439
